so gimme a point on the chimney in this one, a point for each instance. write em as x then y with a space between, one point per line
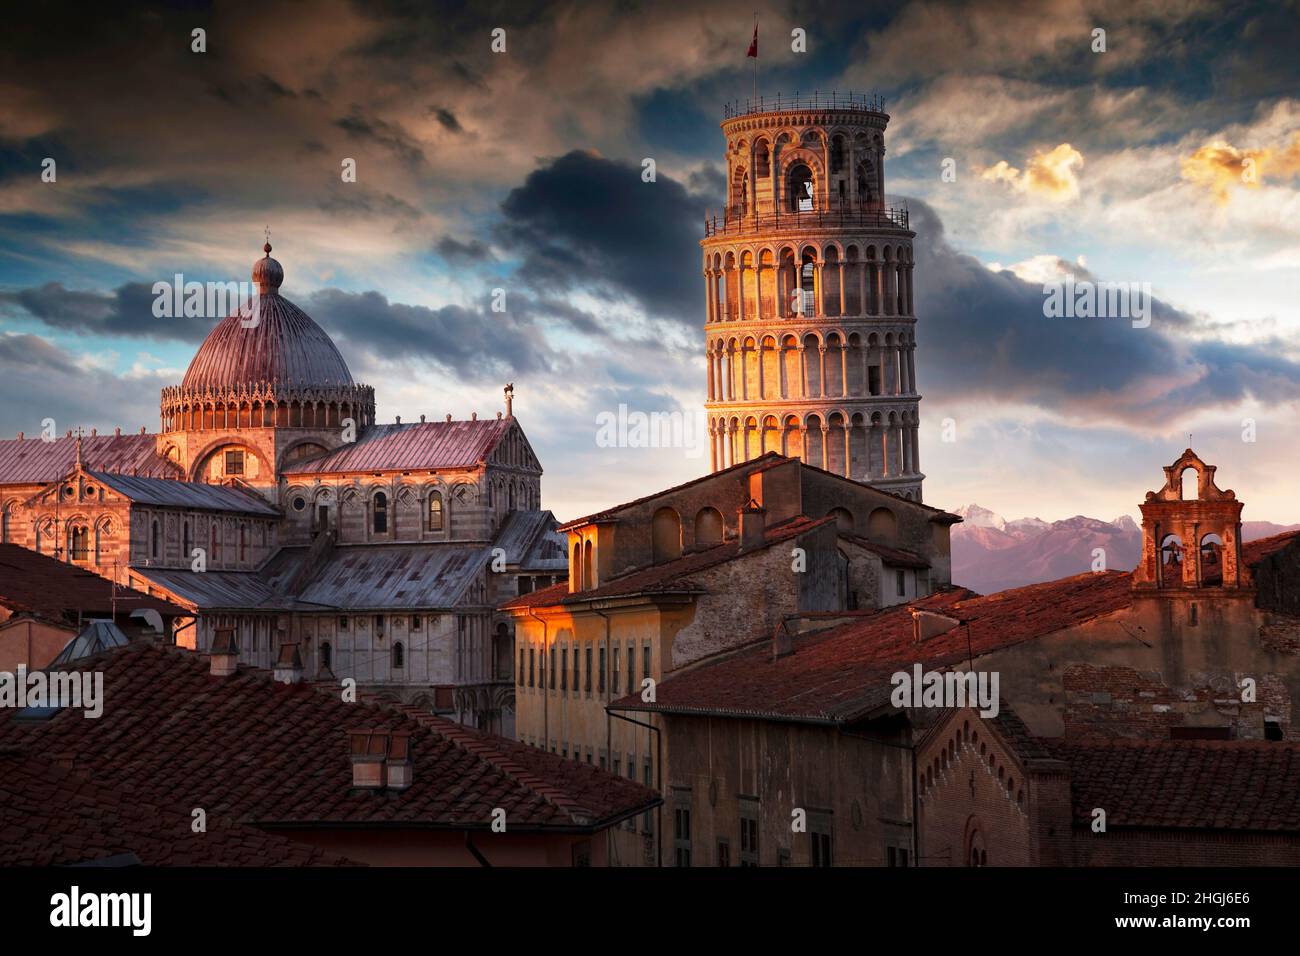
927 624
368 748
782 641
288 667
381 759
225 653
399 765
751 525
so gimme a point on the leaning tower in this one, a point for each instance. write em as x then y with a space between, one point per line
810 327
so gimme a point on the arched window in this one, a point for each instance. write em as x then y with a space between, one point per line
666 534
1211 560
843 518
153 540
326 655
80 544
882 526
380 509
588 578
708 528
435 511
1190 484
399 655
799 189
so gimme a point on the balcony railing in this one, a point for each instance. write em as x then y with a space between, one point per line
818 100
875 217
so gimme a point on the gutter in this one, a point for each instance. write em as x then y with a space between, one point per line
659 768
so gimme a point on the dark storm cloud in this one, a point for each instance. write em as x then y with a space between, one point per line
471 252
982 336
475 343
587 222
447 118
126 311
382 133
39 380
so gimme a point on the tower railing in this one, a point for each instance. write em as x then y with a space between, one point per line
818 100
870 217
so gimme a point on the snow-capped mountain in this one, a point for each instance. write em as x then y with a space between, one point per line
990 553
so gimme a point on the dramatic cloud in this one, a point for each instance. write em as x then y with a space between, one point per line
585 221
127 311
1221 167
986 341
1050 175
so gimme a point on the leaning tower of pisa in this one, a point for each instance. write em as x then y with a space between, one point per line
810 328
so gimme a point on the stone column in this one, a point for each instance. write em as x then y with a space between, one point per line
803 372
821 381
885 471
848 451
916 449
844 369
911 368
826 447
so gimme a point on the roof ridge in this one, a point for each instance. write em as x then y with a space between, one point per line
469 740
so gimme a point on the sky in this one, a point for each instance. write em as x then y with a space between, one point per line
1171 158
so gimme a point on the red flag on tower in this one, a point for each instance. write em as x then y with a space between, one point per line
753 44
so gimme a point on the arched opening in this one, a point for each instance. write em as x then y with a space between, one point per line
1212 561
1171 561
399 655
799 189
708 528
1190 484
666 532
379 507
588 578
843 518
806 302
79 543
326 655
882 525
435 511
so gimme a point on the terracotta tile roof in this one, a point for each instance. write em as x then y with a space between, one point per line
52 816
411 446
758 464
262 753
670 577
1198 784
768 460
187 494
897 557
841 673
32 461
1253 552
41 585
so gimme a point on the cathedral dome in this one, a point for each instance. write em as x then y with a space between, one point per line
278 342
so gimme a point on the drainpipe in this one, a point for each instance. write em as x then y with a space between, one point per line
609 721
659 773
546 697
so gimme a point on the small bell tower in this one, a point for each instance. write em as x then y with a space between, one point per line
1191 543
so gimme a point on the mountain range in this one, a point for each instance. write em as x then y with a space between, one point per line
990 553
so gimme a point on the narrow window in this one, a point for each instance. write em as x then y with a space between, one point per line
381 513
435 511
532 666
326 655
600 687
153 539
564 669
399 655
587 683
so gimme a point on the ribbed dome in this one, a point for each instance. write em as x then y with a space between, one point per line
281 343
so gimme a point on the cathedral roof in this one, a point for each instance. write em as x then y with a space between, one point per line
185 494
33 461
411 445
275 342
